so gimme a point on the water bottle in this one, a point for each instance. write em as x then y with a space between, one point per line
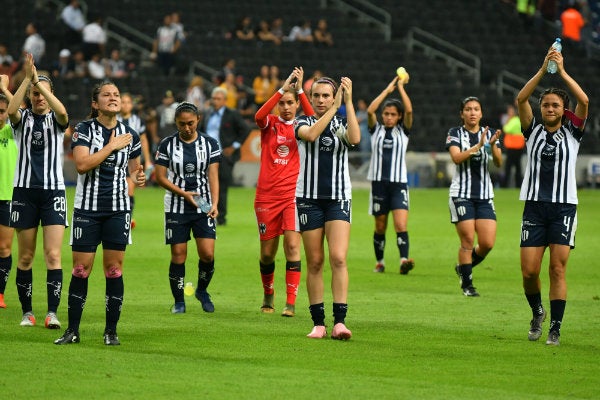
202 204
189 289
552 67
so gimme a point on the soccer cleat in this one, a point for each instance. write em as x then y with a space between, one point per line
457 270
204 297
178 308
406 265
535 328
2 303
111 338
268 304
553 339
28 319
470 291
289 310
340 332
379 268
70 336
51 322
318 332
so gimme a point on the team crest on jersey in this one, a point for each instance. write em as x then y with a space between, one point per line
75 137
281 139
283 151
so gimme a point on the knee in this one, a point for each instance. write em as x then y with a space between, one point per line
337 261
53 257
113 271
80 271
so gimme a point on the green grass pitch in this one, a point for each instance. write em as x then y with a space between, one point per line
414 336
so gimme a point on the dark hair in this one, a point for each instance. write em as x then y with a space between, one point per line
468 99
3 98
95 93
186 107
328 81
559 92
395 103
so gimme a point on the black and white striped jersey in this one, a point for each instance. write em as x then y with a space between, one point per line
104 188
471 179
388 154
324 172
551 163
39 139
187 168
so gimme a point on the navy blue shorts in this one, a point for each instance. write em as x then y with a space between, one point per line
546 223
32 206
112 229
312 214
5 212
179 226
387 196
466 209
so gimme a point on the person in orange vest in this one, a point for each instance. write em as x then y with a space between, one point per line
514 143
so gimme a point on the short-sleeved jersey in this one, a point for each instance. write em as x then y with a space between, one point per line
39 139
187 168
8 162
471 178
279 165
324 172
388 154
135 122
104 188
551 161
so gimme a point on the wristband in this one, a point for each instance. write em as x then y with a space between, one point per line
300 91
281 91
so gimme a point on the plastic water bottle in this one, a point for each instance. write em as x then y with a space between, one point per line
552 67
189 289
202 204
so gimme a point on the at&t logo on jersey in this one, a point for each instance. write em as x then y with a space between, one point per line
283 152
190 170
326 143
38 139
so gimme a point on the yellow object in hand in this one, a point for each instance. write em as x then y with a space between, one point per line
402 74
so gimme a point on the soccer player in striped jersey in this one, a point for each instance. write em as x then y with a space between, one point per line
471 192
129 118
275 201
324 196
387 170
103 150
39 187
8 161
549 190
187 166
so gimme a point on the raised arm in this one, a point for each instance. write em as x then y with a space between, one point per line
408 110
13 107
581 109
352 121
374 106
55 105
4 80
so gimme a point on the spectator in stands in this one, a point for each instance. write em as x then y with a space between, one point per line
96 67
79 64
64 66
263 33
572 24
274 76
116 67
365 136
513 143
8 65
165 46
317 74
178 26
34 44
195 93
245 101
228 67
277 28
230 85
322 35
301 32
166 116
526 11
94 37
229 128
74 21
243 30
263 89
